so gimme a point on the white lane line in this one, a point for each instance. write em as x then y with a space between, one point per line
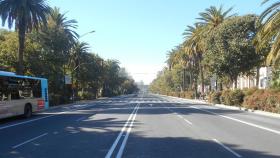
119 155
241 121
21 123
82 118
33 120
227 148
30 140
189 122
180 116
110 152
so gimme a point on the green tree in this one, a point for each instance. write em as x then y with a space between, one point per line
230 50
210 19
27 15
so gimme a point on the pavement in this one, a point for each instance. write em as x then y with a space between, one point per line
140 126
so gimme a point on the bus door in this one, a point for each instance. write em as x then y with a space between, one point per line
44 88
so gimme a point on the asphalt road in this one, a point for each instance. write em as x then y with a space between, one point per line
140 126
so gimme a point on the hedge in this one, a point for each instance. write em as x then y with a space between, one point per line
265 100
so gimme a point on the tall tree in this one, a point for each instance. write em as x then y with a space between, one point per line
270 32
230 50
213 16
194 48
79 51
27 15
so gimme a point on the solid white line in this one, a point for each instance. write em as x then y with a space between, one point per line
119 155
241 121
227 148
110 152
21 123
30 140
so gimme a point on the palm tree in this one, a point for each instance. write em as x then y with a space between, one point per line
269 32
59 21
213 17
27 15
173 57
210 19
193 46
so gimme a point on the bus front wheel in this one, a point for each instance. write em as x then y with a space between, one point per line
27 111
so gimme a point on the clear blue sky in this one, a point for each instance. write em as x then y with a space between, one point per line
139 32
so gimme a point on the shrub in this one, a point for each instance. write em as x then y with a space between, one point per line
214 97
54 99
266 100
237 97
225 97
189 94
249 91
86 95
57 99
182 94
234 97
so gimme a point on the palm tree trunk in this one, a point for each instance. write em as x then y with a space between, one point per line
21 40
202 78
258 77
195 87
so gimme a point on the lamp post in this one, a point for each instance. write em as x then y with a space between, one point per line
72 72
86 34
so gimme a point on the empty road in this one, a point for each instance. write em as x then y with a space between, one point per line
141 126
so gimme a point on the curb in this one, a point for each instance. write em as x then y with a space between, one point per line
259 112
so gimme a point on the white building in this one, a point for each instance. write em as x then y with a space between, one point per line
250 81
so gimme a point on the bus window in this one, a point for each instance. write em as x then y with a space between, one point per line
1 90
4 92
36 89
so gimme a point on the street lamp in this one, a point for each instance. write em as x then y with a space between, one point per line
86 34
72 72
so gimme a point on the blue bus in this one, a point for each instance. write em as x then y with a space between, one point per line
22 95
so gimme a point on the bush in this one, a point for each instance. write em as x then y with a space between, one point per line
234 97
237 97
214 97
249 91
225 97
189 94
57 99
86 95
265 100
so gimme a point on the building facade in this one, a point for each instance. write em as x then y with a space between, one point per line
251 81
